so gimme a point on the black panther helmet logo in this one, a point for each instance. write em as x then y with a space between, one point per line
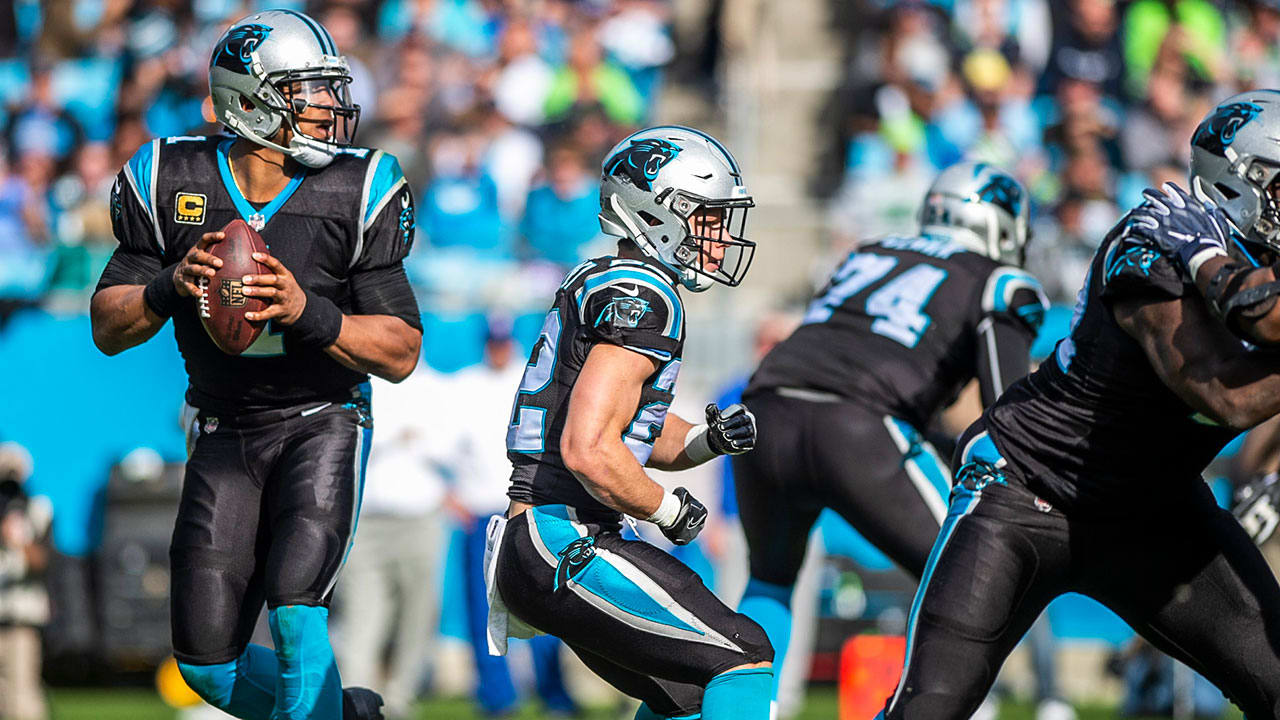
641 161
574 559
1218 132
1002 191
240 43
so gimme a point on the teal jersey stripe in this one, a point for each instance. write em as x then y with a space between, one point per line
387 178
140 166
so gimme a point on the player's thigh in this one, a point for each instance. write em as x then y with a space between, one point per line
217 550
626 600
314 500
772 487
1198 589
666 698
882 476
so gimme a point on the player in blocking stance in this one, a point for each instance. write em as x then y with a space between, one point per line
899 329
1085 476
591 414
272 489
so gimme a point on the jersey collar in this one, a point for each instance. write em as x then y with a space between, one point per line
257 219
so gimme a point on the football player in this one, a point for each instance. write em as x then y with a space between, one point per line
591 414
1085 476
900 328
273 484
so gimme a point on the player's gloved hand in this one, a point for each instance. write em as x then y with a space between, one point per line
731 431
1181 226
689 517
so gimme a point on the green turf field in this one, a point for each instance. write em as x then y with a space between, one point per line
144 705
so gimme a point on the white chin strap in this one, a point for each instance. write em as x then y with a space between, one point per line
311 152
306 150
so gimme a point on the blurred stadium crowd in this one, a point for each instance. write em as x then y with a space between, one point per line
500 112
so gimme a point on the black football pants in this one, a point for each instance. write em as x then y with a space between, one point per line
878 472
269 507
1179 570
639 618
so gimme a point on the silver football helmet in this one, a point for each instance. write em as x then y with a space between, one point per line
677 194
981 207
1235 159
281 69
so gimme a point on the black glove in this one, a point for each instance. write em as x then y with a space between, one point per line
1181 226
689 521
731 431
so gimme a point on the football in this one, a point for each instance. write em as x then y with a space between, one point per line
223 302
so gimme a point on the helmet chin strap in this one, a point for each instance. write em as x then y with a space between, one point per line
308 151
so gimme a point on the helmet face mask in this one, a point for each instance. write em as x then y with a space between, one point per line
677 194
714 246
276 79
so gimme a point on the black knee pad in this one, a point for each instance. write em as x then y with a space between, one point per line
753 641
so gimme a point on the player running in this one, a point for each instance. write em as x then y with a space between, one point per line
591 414
1085 476
273 484
900 328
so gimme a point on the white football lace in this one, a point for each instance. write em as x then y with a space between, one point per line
204 298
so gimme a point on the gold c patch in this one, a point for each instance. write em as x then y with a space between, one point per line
189 208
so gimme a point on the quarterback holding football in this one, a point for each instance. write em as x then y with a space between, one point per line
277 359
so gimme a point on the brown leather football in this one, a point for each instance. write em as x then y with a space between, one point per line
224 303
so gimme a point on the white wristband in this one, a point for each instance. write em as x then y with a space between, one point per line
666 514
1200 258
696 446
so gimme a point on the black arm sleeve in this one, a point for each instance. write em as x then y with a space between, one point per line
137 259
1004 354
379 285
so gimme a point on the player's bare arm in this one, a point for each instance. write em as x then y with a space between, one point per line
120 315
1232 284
601 406
682 445
1202 362
383 345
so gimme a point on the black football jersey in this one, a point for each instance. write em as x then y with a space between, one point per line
1094 428
342 231
630 303
904 323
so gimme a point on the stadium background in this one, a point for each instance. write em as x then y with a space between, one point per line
840 112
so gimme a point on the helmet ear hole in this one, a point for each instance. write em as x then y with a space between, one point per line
1227 192
650 220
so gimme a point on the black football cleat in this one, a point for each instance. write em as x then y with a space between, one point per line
361 704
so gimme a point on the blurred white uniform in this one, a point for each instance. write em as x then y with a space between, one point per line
389 591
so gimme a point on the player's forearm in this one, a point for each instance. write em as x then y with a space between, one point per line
121 318
609 471
669 449
381 345
1220 280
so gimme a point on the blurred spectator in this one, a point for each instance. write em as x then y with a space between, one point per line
1255 45
460 206
1193 31
560 216
481 474
1086 46
1161 125
24 601
512 158
39 126
636 37
522 78
389 593
587 79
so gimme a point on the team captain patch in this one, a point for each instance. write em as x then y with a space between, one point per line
188 208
